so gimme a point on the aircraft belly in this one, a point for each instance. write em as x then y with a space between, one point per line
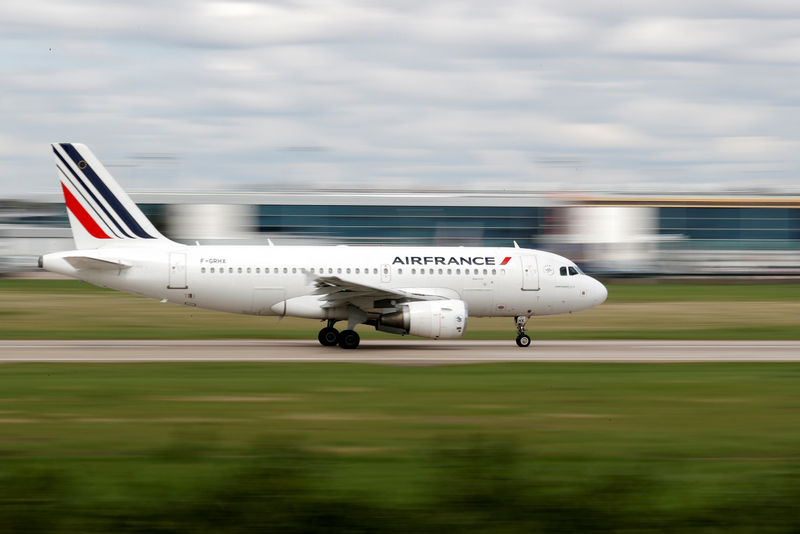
480 301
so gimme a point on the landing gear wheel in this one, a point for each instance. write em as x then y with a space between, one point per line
328 336
523 340
349 339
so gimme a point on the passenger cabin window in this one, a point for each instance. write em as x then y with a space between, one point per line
573 271
563 271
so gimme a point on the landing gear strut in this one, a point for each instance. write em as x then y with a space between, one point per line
329 336
523 340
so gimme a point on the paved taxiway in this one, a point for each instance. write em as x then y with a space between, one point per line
400 351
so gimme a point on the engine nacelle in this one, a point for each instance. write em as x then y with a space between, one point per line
431 318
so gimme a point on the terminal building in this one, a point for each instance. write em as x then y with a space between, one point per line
607 234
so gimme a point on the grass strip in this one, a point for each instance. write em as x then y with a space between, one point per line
331 447
49 309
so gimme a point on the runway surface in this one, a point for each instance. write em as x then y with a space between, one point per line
399 352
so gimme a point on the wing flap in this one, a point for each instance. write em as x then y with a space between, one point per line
335 291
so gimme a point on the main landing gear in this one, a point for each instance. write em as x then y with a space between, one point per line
346 339
328 336
523 340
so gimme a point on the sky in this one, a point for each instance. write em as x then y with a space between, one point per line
585 95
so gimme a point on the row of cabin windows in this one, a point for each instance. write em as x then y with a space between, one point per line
340 270
451 271
286 270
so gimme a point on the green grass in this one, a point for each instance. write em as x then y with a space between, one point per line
49 309
703 292
501 447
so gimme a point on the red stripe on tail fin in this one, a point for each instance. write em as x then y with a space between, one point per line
82 215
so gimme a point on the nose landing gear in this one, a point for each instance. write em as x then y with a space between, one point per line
523 340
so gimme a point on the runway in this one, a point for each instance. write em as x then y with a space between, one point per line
396 352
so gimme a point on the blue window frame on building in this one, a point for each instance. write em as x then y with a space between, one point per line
408 225
735 228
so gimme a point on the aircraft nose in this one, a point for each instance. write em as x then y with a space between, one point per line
600 293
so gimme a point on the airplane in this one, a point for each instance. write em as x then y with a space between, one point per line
423 291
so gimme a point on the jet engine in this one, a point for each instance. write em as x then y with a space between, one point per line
431 318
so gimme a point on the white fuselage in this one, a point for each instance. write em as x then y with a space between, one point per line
269 280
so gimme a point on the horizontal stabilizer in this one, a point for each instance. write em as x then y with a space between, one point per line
87 262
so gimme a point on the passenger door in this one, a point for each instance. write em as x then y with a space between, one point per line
177 270
530 273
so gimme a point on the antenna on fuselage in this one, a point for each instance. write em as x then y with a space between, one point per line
515 245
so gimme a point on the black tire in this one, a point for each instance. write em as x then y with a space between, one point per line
349 339
328 336
523 340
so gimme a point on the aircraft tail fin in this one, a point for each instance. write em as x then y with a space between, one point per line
100 212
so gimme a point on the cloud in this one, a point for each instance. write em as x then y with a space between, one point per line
462 94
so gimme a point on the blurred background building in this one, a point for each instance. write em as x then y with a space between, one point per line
608 234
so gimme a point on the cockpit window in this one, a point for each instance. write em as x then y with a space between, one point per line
563 271
572 271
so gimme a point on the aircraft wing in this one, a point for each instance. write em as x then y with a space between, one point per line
336 291
88 262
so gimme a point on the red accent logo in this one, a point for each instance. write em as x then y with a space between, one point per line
508 258
82 215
